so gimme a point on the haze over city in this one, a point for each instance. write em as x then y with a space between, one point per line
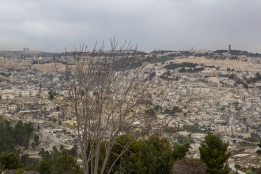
152 24
164 86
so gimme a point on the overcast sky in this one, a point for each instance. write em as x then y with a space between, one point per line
52 25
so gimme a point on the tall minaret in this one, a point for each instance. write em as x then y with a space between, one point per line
229 47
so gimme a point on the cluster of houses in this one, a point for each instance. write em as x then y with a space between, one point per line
214 99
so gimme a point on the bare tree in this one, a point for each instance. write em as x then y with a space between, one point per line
106 89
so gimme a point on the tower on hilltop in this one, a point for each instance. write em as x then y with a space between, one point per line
229 47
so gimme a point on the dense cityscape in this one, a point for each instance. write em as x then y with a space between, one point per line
205 91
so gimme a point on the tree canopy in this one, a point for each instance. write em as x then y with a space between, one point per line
59 161
214 153
10 160
15 136
153 155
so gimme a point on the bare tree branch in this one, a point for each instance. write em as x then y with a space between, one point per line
105 88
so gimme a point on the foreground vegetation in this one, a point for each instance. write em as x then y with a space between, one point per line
142 156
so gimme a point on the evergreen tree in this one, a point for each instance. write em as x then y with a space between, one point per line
151 156
59 161
66 164
44 167
10 160
180 151
213 152
19 135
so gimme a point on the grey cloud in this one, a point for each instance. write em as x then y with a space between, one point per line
167 24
